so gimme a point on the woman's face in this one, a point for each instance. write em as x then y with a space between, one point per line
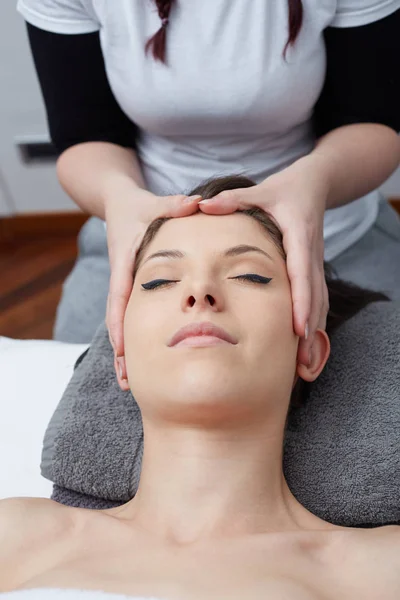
219 270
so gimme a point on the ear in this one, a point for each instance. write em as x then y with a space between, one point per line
320 351
124 385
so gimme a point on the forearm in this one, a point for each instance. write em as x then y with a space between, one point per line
92 172
354 160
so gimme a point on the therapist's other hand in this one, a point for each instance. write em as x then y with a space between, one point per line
296 199
128 215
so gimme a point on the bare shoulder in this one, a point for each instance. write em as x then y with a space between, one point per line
372 556
383 539
382 546
20 505
26 526
386 540
374 544
25 515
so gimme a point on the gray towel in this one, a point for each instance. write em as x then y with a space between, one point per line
342 448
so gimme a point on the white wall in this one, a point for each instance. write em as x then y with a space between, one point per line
6 203
34 187
31 188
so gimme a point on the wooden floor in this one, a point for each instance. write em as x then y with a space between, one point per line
30 287
35 258
32 269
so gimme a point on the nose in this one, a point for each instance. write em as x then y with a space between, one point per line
203 297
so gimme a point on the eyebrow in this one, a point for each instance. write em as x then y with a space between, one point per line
230 252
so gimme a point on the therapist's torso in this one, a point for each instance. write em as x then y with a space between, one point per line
227 102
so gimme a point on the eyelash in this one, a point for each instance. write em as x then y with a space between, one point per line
248 277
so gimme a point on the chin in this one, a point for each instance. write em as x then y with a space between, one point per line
207 374
207 405
208 395
210 383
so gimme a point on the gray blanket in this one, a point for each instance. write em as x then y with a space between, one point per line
342 449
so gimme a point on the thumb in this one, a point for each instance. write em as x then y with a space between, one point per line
178 205
228 201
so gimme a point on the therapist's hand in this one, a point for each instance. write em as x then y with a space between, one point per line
296 198
128 214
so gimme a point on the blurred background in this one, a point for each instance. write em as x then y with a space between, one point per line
38 221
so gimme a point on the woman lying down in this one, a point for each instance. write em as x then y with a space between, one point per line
212 362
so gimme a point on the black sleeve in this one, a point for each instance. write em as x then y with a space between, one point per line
362 82
79 102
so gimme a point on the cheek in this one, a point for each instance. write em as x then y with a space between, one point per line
271 321
144 334
135 336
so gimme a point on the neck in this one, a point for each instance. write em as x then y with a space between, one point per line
199 484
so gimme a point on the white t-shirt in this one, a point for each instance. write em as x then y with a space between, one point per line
227 102
68 594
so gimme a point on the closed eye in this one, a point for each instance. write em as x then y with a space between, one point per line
248 277
253 278
157 283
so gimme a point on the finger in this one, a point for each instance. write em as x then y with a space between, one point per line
299 268
121 283
317 301
227 202
177 206
107 322
122 380
325 310
305 346
325 293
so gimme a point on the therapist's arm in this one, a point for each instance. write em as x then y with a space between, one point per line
94 137
354 160
93 173
357 116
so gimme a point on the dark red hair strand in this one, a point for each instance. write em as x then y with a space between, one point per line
157 43
295 22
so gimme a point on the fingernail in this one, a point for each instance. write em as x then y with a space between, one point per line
191 199
306 331
208 201
121 364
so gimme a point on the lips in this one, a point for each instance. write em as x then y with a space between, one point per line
201 329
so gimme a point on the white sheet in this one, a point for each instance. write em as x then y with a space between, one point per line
33 376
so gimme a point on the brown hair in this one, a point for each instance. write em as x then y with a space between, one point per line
157 43
345 298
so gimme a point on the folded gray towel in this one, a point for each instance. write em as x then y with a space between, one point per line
78 500
342 448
